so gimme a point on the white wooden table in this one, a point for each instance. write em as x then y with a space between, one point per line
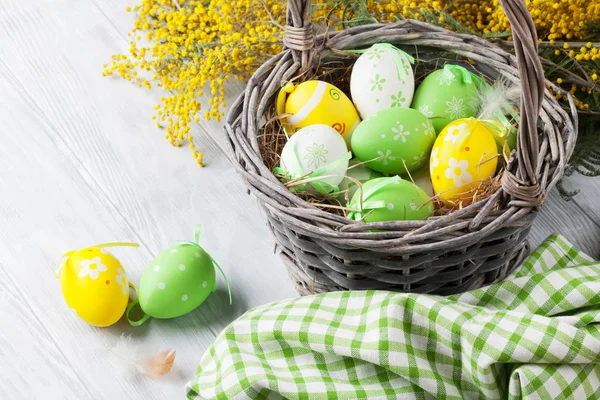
82 163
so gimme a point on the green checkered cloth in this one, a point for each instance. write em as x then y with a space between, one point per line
534 336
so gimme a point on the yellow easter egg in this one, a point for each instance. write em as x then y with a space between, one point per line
317 102
464 155
95 286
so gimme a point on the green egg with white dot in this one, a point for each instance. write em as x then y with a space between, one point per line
394 141
175 283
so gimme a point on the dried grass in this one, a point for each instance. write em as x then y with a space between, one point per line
484 190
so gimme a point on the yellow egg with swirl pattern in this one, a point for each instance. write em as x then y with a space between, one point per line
464 155
317 102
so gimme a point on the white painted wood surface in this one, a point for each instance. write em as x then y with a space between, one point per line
82 163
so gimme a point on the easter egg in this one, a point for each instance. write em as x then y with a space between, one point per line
397 139
316 102
448 94
390 199
422 179
464 155
315 151
381 78
177 281
357 172
95 285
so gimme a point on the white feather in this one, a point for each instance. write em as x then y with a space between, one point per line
129 357
124 355
501 98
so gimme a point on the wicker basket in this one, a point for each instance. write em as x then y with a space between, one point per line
477 245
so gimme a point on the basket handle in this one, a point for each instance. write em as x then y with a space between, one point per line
524 185
299 35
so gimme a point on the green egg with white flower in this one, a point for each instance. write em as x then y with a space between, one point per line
394 141
448 94
390 199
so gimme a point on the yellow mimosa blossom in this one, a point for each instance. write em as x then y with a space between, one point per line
191 48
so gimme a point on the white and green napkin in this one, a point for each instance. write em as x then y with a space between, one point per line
534 336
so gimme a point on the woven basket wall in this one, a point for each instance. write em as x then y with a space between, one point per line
477 245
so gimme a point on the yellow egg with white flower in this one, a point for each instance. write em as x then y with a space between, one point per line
94 285
317 103
464 156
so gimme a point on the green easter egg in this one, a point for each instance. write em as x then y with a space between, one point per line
399 138
390 199
177 281
448 94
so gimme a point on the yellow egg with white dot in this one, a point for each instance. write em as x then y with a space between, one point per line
94 285
317 102
464 156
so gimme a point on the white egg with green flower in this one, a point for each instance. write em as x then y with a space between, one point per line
382 77
317 153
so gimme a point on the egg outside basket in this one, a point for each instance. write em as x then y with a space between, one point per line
472 247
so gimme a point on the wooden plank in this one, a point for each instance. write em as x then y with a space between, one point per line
48 208
33 363
587 201
568 219
96 171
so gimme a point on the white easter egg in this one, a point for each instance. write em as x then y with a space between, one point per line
381 78
314 148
